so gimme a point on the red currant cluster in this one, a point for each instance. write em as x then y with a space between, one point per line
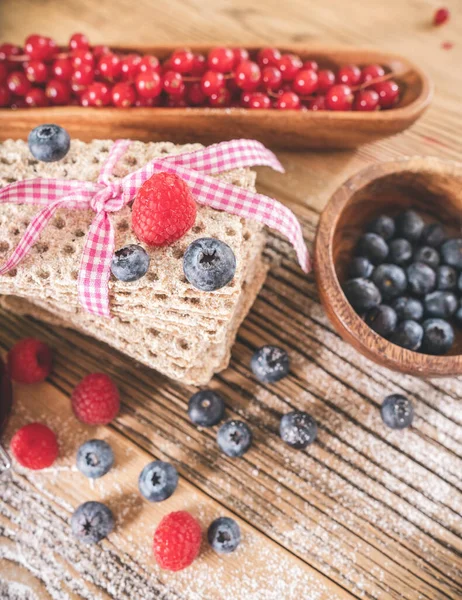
42 74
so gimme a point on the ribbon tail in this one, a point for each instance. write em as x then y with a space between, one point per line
95 266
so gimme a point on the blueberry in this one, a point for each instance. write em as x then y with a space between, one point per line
459 283
390 280
421 279
130 263
458 315
400 252
360 267
373 247
446 278
409 225
209 264
397 411
427 255
382 319
441 305
408 308
451 253
433 235
408 335
49 143
157 481
224 535
234 438
92 522
362 294
270 364
298 429
438 336
206 408
383 226
95 458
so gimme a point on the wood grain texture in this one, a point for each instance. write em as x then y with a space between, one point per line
372 513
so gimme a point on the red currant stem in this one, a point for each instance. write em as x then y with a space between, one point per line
392 75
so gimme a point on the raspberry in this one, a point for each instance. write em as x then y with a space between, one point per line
35 446
29 361
177 541
163 210
96 399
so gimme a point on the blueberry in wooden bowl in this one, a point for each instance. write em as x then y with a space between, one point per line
430 188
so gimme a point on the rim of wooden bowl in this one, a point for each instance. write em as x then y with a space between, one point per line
339 311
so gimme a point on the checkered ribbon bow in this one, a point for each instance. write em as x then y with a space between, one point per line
105 196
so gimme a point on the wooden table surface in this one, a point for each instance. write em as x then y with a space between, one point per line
366 512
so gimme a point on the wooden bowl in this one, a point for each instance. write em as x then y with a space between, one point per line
431 186
290 129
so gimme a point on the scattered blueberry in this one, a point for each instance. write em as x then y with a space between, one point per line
91 522
397 411
360 267
409 225
383 226
441 305
209 264
224 535
234 438
382 319
298 429
362 294
400 252
451 253
49 143
130 263
95 458
408 308
438 336
270 364
390 280
446 278
433 235
408 334
157 481
427 255
373 247
421 279
206 408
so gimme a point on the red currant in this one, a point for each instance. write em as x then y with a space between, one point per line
317 103
366 100
39 47
82 57
84 98
79 41
288 101
4 96
58 92
326 79
289 65
349 74
3 73
194 94
110 66
199 66
221 60
100 50
248 76
123 95
441 16
259 100
62 69
18 103
173 83
182 61
36 71
17 83
7 50
147 102
212 82
221 99
310 65
36 97
245 99
268 57
240 55
305 82
339 97
84 75
271 78
176 102
388 92
371 72
98 94
148 85
233 88
129 67
149 63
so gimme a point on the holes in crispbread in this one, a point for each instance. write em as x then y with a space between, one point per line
152 277
68 249
131 161
41 247
10 179
79 233
13 272
4 247
14 231
183 344
230 231
75 275
153 332
199 228
43 274
5 161
123 225
246 236
59 223
178 253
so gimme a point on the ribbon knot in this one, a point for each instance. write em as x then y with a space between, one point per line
109 198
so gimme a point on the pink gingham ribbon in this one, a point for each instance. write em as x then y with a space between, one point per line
105 196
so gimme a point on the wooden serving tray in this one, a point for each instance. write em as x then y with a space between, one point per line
289 129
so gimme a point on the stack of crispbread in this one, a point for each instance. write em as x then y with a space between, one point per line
160 320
